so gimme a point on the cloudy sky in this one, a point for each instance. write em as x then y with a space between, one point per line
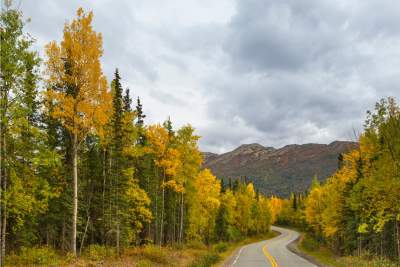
272 72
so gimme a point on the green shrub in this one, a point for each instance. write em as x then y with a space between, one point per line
206 260
42 256
234 234
221 247
309 243
98 252
366 262
195 244
145 263
154 254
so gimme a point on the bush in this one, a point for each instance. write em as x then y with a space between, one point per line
206 260
309 243
234 234
145 263
195 244
362 262
43 256
154 254
221 247
98 252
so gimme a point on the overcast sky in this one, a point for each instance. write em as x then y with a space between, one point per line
272 72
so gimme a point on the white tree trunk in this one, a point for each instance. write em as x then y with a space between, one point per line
181 221
75 193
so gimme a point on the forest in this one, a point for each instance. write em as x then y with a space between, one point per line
82 171
80 168
357 210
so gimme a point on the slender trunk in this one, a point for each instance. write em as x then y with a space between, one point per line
63 233
156 206
104 192
398 239
156 219
104 178
117 177
47 236
118 252
162 211
4 213
1 167
110 189
75 193
149 223
3 233
84 235
181 220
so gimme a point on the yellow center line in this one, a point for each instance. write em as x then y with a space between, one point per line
269 257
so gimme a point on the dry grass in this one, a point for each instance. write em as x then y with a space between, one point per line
194 254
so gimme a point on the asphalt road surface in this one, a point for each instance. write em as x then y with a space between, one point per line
272 252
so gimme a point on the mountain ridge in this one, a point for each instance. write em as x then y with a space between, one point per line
278 171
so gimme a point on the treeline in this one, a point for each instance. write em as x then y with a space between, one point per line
79 166
357 210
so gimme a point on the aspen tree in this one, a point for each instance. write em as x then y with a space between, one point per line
84 103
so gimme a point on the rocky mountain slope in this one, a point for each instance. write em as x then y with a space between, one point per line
278 171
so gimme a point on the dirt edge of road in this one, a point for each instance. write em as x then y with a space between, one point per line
293 247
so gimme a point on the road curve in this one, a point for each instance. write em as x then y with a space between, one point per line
272 252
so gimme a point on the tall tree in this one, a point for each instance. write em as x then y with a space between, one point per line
18 106
140 115
82 107
127 101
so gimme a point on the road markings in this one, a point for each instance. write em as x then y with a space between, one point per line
269 257
238 255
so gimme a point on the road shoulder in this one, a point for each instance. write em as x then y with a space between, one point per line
293 247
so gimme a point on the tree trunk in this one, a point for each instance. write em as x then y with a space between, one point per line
117 201
103 199
181 221
118 252
75 189
3 233
84 234
1 172
162 211
4 224
63 233
4 213
398 239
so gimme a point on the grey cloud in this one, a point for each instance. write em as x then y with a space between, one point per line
273 72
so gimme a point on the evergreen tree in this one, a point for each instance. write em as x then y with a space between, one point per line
294 205
139 113
127 101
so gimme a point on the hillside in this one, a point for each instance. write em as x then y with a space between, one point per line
278 171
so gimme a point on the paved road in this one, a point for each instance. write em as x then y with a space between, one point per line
272 252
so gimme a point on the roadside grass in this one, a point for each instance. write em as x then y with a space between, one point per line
326 257
192 254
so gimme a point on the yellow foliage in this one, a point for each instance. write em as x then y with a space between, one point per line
204 205
275 206
77 89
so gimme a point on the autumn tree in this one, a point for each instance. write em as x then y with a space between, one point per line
24 194
204 205
83 103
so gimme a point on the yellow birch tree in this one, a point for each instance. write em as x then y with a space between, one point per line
77 89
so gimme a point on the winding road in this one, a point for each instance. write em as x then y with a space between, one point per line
272 252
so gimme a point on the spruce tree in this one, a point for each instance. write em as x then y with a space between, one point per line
139 113
127 101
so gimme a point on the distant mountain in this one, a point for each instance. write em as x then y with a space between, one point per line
278 171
